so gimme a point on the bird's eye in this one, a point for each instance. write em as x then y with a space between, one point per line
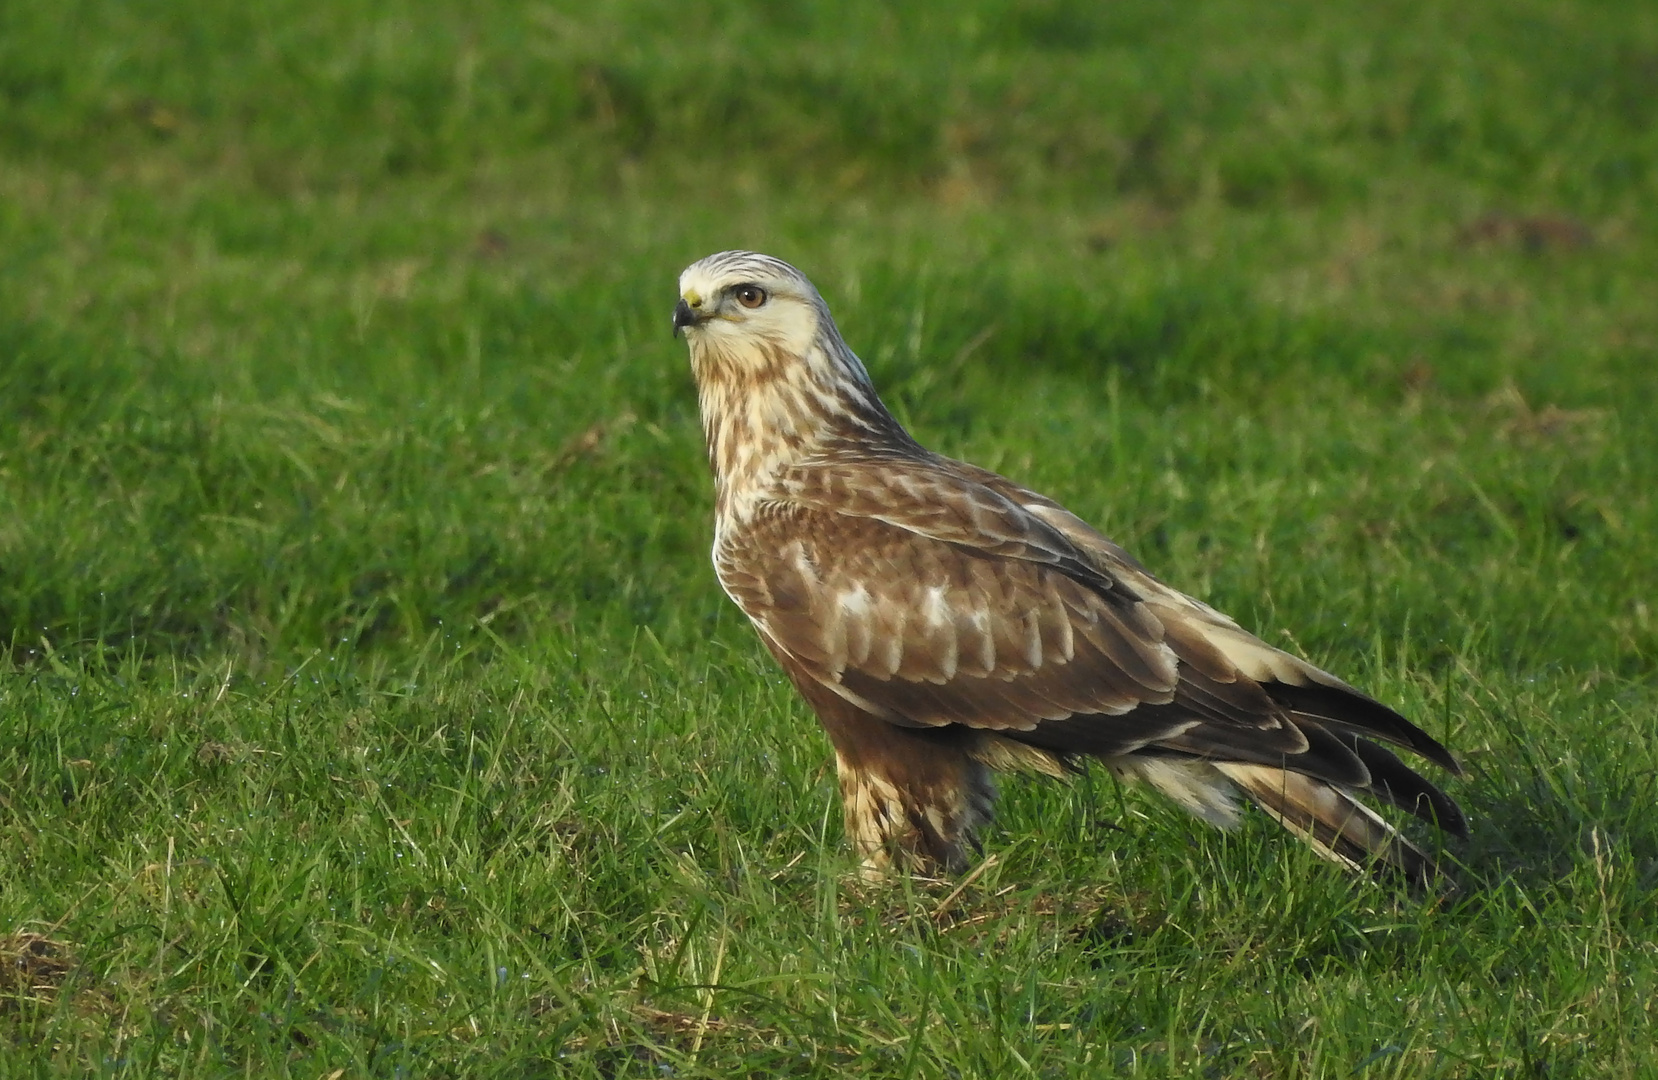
750 296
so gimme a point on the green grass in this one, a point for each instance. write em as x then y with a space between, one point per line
370 708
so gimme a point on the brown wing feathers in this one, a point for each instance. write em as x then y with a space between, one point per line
1345 707
923 631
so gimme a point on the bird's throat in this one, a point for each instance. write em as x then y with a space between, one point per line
763 412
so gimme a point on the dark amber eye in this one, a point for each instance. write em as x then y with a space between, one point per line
750 296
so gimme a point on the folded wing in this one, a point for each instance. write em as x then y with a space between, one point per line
928 594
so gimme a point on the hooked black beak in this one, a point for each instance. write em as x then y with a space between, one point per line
683 316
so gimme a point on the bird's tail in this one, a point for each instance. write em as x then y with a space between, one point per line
1335 824
1325 815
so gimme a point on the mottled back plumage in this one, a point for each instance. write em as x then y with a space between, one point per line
944 622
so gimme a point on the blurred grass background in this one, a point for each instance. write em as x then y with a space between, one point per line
353 524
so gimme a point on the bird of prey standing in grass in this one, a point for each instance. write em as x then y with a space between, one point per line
945 623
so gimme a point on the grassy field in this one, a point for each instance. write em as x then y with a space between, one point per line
370 709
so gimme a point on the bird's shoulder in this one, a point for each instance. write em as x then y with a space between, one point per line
928 498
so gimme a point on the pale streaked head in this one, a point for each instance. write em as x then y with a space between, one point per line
742 297
775 382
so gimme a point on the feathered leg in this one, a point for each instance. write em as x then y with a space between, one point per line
911 796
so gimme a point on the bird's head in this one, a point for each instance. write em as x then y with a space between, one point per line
740 303
774 379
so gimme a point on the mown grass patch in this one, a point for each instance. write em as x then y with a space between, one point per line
369 708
